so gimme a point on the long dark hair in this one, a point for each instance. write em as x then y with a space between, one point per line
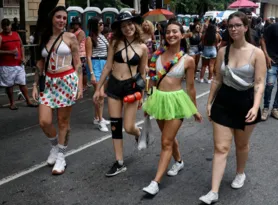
48 28
119 36
93 29
210 36
245 22
183 43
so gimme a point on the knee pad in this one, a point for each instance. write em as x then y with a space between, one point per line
117 128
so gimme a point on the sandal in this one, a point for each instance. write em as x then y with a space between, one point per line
13 107
32 105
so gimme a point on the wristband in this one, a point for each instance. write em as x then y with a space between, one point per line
92 73
35 84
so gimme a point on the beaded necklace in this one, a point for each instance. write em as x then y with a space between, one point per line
157 75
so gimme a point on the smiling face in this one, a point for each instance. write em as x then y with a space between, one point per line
236 28
128 28
173 34
59 20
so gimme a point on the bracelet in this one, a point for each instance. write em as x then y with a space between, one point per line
92 73
35 84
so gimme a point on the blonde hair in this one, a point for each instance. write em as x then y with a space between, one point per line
151 26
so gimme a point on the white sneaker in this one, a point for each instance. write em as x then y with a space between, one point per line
60 165
238 181
52 156
96 121
175 168
201 81
209 81
152 189
102 126
211 197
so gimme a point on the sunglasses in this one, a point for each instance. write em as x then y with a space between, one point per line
100 23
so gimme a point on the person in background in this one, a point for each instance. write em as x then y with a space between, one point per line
149 38
211 41
81 38
12 60
159 35
195 38
96 53
270 48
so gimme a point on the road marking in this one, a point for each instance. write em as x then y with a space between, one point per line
69 153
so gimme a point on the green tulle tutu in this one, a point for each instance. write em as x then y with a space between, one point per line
169 105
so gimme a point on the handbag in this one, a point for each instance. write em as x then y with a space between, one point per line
140 84
42 76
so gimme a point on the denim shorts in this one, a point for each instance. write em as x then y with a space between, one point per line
194 50
209 52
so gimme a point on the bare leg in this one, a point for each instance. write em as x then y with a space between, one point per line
205 63
222 144
242 146
24 90
63 124
211 67
176 151
9 92
130 110
169 132
45 120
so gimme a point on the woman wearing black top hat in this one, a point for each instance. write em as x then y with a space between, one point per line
128 56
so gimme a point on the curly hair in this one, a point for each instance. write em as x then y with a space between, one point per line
119 36
151 27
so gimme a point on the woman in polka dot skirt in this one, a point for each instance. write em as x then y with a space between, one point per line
63 85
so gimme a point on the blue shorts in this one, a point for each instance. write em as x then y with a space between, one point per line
98 66
209 52
194 50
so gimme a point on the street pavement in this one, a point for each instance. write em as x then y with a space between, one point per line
26 180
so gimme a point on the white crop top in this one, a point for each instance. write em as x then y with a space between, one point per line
59 58
177 71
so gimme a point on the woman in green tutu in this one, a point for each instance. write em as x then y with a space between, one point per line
169 104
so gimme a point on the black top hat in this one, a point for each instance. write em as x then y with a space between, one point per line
125 16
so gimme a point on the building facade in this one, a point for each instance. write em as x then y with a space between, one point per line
269 8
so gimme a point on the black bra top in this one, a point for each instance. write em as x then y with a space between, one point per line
135 60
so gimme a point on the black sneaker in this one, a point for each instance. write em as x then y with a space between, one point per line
116 169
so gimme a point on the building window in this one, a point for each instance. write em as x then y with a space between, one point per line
11 3
10 11
15 11
5 12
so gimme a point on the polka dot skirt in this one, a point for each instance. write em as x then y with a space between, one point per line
59 91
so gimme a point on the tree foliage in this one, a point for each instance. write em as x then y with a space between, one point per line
198 6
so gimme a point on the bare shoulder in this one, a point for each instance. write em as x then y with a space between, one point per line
69 35
258 52
144 47
189 61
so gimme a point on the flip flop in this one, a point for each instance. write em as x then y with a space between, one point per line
32 105
13 107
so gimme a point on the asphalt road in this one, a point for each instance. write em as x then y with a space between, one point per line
25 180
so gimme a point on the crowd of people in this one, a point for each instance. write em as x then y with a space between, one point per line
117 59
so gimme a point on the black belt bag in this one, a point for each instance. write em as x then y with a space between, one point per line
139 82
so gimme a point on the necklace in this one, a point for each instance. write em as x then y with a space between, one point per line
157 75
